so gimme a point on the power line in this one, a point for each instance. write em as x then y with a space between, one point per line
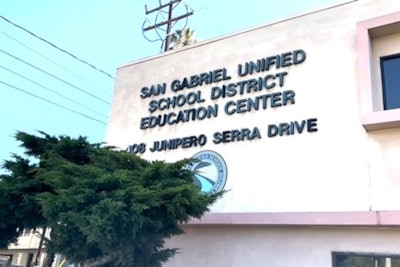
49 60
167 22
51 90
51 102
58 48
55 77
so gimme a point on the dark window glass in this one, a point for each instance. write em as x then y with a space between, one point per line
342 259
390 68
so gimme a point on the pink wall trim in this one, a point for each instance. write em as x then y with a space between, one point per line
380 26
381 120
352 218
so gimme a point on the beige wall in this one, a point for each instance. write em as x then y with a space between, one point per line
339 168
256 246
27 241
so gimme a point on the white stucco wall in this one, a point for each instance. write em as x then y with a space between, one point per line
340 167
259 246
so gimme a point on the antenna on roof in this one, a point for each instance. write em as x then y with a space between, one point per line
167 23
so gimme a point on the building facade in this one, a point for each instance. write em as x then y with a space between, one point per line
297 119
24 252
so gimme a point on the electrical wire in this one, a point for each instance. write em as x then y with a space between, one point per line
163 40
51 90
58 48
144 35
51 102
49 60
55 77
160 28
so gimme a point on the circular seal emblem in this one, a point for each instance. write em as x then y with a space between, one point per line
210 171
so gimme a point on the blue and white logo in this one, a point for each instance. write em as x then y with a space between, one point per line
210 171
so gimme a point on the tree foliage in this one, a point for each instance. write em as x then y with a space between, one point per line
102 205
182 38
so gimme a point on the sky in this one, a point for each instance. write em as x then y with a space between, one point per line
58 59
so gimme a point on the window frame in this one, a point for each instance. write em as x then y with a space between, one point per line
373 118
361 254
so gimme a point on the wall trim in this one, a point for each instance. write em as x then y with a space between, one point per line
347 218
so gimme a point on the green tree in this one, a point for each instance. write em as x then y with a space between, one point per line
103 206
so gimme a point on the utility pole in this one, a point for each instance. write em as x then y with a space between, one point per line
168 22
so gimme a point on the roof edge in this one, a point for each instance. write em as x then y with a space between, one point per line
212 40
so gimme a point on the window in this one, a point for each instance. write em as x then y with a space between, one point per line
343 259
390 73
